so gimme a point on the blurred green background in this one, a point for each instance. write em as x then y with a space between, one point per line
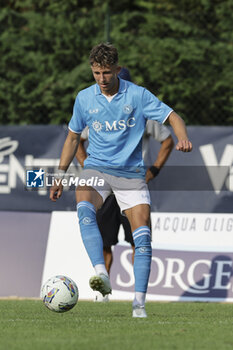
181 50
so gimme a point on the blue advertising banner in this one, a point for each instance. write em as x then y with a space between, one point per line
200 181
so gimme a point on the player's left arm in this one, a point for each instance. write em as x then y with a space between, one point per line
180 131
163 154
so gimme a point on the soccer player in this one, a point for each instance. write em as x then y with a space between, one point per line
116 112
109 217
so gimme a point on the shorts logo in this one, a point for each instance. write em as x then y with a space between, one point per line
35 178
143 250
86 220
97 126
128 109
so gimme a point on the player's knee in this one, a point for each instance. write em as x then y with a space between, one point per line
139 216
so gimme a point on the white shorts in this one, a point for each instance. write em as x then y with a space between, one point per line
128 192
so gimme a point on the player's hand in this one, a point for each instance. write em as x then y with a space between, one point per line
184 146
149 176
56 191
151 173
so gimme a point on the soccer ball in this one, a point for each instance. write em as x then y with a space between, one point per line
59 293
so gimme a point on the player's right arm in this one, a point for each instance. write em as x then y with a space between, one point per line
81 154
68 152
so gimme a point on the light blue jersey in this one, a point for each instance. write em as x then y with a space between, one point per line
116 128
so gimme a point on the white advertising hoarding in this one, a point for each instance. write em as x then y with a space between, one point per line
191 260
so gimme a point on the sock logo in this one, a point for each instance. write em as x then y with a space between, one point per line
142 249
86 220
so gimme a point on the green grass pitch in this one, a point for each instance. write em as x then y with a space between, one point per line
27 324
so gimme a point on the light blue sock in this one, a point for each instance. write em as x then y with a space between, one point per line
90 233
142 258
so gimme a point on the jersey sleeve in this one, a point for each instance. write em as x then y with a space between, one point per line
158 131
153 108
77 123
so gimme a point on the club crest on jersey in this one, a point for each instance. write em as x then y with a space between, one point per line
97 126
127 109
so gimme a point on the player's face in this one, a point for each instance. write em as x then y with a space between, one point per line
106 78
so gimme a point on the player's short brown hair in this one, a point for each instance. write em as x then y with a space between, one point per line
104 55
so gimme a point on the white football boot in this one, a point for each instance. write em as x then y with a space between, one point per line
101 283
139 311
100 299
